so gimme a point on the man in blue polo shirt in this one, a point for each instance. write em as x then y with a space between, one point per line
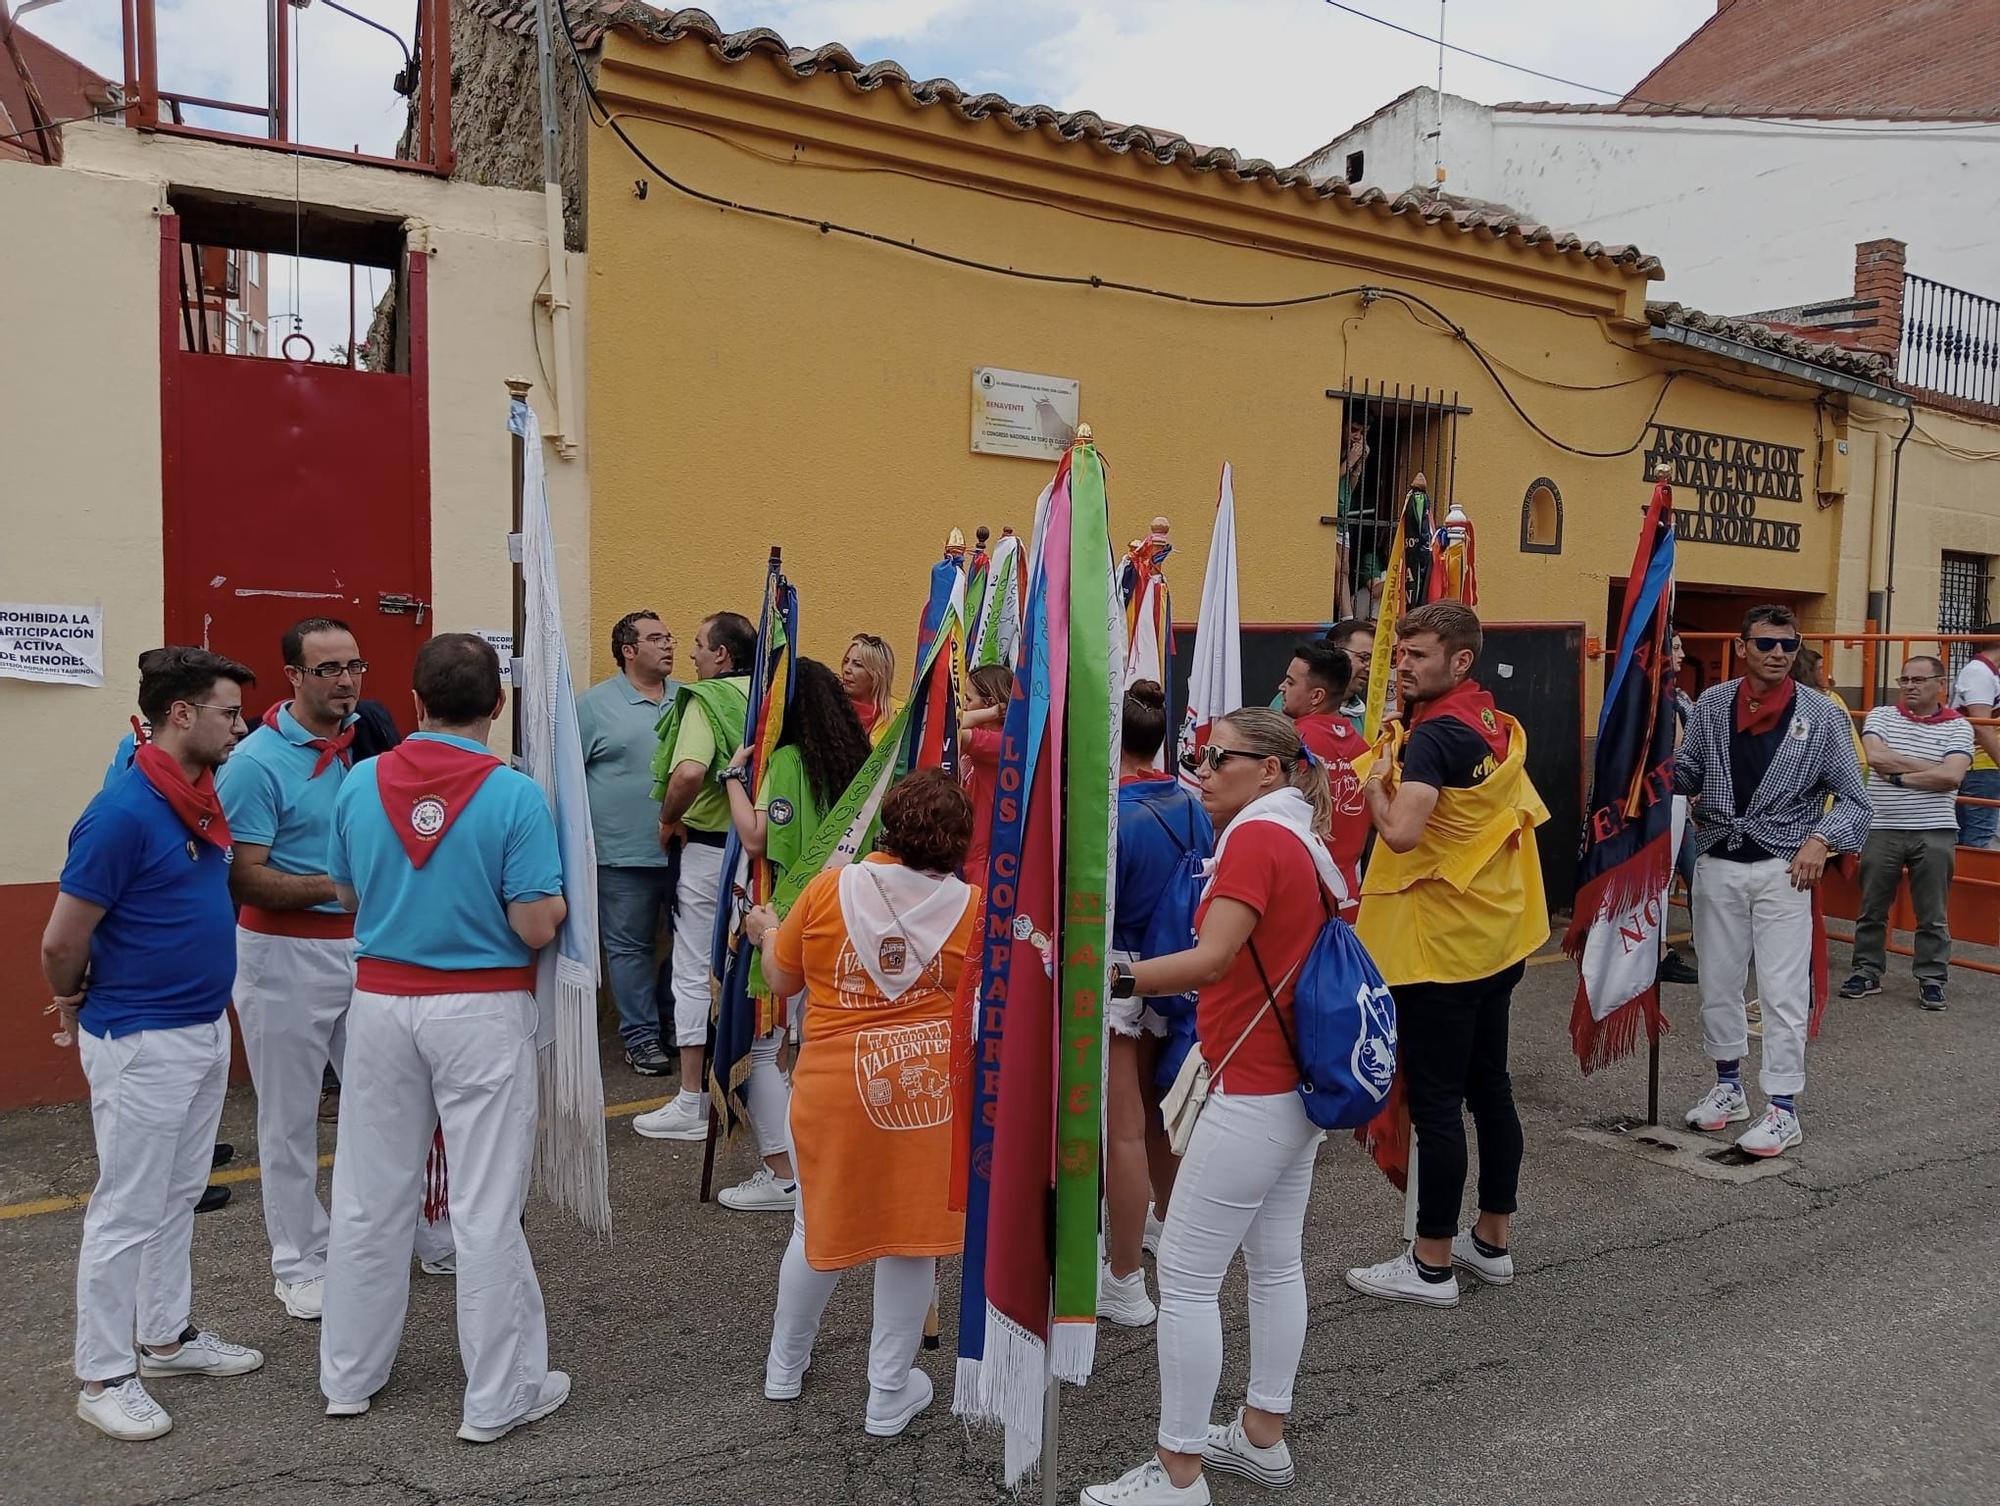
137 952
294 941
449 861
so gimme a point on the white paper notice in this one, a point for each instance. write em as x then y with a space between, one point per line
56 645
502 640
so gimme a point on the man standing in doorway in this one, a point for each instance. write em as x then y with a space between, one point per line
1779 792
1977 694
294 941
1451 906
448 860
1917 752
698 738
138 954
619 720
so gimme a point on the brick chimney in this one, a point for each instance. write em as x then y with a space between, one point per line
1878 276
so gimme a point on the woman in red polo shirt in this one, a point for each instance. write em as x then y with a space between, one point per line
1247 1172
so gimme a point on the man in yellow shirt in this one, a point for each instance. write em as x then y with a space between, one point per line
1451 906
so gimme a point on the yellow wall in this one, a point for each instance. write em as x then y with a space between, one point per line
80 488
764 383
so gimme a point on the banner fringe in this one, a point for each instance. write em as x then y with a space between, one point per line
572 1166
1072 1347
1599 1043
1013 1378
965 1403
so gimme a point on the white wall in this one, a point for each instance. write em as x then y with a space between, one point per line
1744 215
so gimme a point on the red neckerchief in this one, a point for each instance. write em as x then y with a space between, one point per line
868 712
1467 702
1756 717
329 748
197 804
424 786
1942 714
1330 738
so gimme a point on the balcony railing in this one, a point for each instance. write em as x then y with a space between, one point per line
1951 341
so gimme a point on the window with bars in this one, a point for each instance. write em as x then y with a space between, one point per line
1389 435
1964 599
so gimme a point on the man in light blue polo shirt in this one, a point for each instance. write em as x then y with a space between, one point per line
449 861
618 719
294 942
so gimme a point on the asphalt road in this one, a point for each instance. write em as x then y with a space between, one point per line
1827 1335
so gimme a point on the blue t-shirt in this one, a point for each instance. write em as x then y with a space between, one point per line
1153 816
450 914
273 801
121 759
164 956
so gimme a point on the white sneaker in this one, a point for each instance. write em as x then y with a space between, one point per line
1398 1280
672 1122
1777 1132
302 1299
204 1354
444 1265
1146 1485
1494 1270
1231 1451
1155 1228
347 1408
889 1412
555 1391
778 1386
760 1192
124 1412
1124 1302
1722 1106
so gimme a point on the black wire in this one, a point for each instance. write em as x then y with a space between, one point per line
355 15
1365 291
50 125
1787 121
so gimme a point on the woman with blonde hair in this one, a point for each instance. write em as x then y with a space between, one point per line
878 947
868 675
1247 1170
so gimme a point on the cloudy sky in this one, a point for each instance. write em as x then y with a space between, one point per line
1272 78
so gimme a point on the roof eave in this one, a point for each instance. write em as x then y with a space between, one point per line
1770 360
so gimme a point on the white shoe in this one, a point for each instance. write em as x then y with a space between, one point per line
124 1412
1124 1302
1146 1485
1494 1270
672 1122
1777 1132
302 1299
1722 1106
779 1386
555 1391
1155 1228
1231 1451
347 1408
444 1265
889 1412
204 1354
760 1192
1398 1280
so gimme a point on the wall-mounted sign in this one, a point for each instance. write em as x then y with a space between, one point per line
1019 413
502 640
51 644
1729 476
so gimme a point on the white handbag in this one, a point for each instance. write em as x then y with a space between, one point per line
1181 1106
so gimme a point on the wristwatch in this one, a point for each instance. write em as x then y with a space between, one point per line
1896 780
1123 985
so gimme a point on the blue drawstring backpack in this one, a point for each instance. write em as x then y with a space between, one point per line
1346 1018
1169 930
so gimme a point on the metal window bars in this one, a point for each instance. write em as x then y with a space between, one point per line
1951 341
1964 596
1406 431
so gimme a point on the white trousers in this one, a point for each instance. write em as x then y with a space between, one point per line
1243 1184
903 1288
1745 912
467 1060
291 998
155 1101
694 930
767 1095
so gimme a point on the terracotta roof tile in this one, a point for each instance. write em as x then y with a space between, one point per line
1863 364
591 19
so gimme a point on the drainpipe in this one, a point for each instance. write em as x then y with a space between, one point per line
1895 499
558 297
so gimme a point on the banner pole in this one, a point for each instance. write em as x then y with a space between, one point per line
517 388
1051 1422
1652 1077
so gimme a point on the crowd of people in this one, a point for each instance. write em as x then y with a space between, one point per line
376 905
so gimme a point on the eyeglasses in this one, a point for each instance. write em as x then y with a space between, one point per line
1906 681
1775 645
1212 758
231 713
356 667
657 638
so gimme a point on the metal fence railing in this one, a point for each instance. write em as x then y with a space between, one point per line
1951 341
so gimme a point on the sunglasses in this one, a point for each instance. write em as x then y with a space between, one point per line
1775 645
1212 758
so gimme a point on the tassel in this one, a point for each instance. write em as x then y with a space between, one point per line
437 1181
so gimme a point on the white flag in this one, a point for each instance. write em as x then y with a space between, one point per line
1215 679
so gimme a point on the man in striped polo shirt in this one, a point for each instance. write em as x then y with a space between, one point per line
1918 751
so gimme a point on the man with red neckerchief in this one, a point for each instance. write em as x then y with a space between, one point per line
138 954
448 861
1918 751
1311 693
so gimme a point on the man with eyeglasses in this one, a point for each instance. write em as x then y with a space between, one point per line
1773 764
1918 751
618 719
1355 637
137 953
1977 694
294 941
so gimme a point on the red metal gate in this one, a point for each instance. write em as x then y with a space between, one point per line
295 490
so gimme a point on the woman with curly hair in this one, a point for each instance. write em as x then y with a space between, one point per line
819 752
867 674
878 947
